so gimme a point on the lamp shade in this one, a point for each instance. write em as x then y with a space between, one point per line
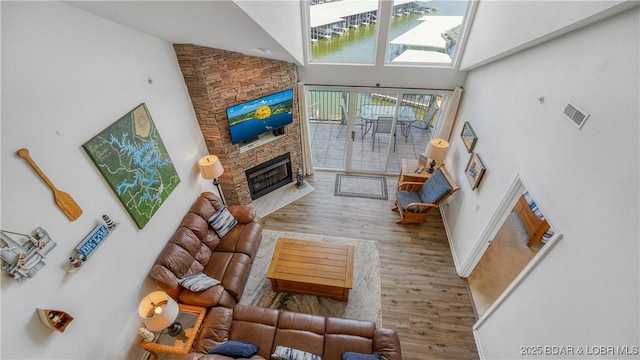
437 149
210 167
158 311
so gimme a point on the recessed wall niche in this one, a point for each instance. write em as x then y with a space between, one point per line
217 79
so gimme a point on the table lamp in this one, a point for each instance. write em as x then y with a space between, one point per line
159 311
211 168
437 152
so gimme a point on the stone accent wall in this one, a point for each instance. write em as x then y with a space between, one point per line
217 79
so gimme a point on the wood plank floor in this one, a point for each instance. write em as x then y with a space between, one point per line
423 298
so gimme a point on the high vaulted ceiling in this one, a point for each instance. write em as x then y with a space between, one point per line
270 29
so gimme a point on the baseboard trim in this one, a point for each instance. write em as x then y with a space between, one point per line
454 255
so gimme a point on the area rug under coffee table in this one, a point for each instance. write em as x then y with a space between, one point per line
364 298
362 186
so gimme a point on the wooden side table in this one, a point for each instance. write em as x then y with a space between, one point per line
408 172
191 318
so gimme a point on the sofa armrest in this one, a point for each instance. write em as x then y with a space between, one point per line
214 329
244 214
387 342
166 279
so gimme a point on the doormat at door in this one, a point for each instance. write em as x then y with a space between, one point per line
361 186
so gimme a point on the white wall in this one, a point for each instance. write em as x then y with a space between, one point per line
586 291
66 75
283 31
501 28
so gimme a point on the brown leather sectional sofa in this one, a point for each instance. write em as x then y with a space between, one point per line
325 337
195 247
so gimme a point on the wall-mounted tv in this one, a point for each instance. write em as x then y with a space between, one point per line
250 119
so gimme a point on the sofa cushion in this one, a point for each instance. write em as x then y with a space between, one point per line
206 205
358 356
255 324
344 335
222 221
301 331
198 282
287 353
242 239
232 269
235 349
207 298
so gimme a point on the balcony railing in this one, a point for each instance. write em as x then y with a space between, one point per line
324 105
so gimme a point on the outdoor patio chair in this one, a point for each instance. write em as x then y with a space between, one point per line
425 124
415 200
384 125
344 122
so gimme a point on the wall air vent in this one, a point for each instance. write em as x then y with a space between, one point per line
576 115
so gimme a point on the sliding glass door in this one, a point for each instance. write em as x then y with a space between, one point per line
369 130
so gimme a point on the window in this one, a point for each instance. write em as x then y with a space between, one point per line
343 125
425 31
418 32
343 31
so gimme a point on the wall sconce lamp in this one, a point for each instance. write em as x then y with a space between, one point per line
159 311
437 152
211 168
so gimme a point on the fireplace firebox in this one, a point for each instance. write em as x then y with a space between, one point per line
269 176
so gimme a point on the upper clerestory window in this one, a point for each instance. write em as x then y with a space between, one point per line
418 32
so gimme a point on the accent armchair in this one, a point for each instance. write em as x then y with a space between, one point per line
415 200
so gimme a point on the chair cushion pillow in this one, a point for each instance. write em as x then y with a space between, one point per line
198 282
407 197
222 221
357 356
235 349
436 188
287 353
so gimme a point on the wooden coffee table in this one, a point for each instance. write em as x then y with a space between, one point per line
312 267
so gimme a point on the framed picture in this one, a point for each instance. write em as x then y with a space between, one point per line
474 170
422 160
469 137
132 158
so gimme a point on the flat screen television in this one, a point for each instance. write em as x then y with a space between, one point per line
253 118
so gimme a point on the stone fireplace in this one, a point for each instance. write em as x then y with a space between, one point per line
269 176
217 79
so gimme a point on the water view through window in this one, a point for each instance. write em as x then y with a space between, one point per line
420 31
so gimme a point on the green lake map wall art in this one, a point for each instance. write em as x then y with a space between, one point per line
132 158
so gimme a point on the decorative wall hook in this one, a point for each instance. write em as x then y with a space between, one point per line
540 99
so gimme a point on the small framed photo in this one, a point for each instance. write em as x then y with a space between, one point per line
474 170
469 137
422 160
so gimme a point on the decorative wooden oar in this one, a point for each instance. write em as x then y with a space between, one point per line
64 201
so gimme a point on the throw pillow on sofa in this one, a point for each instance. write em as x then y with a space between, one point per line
222 221
198 282
357 356
235 349
287 353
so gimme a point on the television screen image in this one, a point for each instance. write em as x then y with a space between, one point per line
253 118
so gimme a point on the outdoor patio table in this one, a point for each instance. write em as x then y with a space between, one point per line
370 113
